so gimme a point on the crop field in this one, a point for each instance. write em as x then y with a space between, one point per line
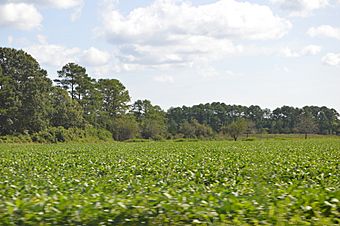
269 182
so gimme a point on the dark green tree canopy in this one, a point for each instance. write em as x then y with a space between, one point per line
30 103
151 118
306 124
65 111
236 128
73 78
24 103
114 95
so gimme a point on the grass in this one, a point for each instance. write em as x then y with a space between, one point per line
259 182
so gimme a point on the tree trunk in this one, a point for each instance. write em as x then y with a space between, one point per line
306 135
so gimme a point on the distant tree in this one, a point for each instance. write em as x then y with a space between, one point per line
306 124
114 95
71 77
250 128
91 105
337 132
153 128
9 104
172 127
65 111
83 89
24 93
327 120
285 119
151 119
124 127
194 129
187 129
141 108
236 128
256 118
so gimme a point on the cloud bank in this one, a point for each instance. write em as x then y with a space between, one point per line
171 32
20 15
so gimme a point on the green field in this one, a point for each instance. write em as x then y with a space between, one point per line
268 182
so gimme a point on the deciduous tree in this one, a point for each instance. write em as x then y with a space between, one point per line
236 128
306 124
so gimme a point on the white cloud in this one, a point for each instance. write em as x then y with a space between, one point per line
171 32
324 30
60 4
300 8
288 52
332 59
164 79
54 55
19 15
309 50
75 5
95 57
42 39
58 55
183 52
223 19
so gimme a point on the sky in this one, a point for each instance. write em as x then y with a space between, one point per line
184 52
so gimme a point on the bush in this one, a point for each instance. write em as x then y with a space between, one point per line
15 139
60 134
124 128
101 134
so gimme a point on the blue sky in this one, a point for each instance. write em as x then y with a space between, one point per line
180 52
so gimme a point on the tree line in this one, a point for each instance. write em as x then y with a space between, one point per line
30 102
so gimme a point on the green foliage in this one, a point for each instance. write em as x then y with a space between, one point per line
29 104
15 139
170 183
306 124
73 78
187 129
151 119
125 128
281 120
24 103
82 89
153 128
194 129
60 134
114 97
235 129
65 111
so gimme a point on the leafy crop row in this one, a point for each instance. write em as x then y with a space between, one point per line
219 183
